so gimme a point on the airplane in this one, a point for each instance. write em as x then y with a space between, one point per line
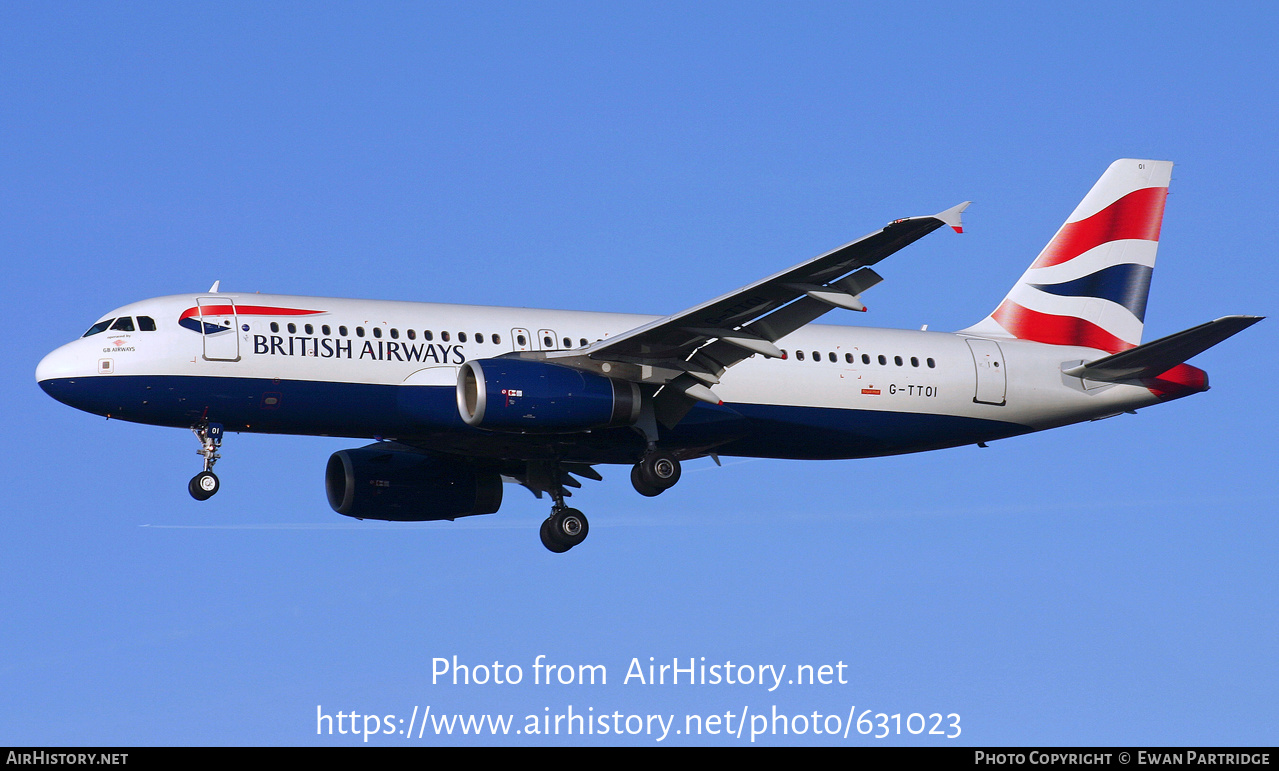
461 399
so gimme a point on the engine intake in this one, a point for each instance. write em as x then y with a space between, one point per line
402 486
534 396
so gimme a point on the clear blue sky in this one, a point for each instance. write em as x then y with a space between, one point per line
1110 583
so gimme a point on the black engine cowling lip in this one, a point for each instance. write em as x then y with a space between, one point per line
341 471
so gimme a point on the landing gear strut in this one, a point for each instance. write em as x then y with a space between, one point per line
655 474
203 485
566 527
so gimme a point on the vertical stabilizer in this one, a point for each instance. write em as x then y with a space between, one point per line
1088 286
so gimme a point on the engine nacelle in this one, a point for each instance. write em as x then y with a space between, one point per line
534 396
400 486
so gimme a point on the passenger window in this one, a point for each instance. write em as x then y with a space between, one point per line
521 340
123 324
325 330
583 342
897 360
914 361
310 330
427 335
412 333
444 336
931 364
497 339
293 329
548 342
395 333
883 359
479 337
341 330
377 332
461 337
101 326
817 356
146 324
799 355
833 358
865 358
568 342
359 331
848 357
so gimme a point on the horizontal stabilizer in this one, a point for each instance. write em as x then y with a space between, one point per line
1155 358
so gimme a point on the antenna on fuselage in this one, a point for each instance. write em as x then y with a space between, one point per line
214 288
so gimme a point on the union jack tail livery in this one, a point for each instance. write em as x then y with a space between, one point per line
1088 286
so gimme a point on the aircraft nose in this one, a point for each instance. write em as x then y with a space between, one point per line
55 364
56 368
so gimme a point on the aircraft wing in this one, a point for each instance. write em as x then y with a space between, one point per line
691 350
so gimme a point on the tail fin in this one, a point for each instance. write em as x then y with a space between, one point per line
1088 286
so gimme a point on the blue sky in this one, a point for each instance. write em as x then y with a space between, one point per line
1110 583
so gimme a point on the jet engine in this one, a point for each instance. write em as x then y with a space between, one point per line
534 396
405 486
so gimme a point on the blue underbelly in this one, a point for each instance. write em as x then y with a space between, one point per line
430 415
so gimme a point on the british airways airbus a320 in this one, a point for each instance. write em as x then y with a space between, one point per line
464 398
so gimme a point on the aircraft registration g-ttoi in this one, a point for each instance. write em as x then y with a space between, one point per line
462 399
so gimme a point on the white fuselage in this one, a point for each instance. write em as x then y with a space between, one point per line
263 365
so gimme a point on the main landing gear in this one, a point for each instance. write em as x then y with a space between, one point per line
655 474
203 485
564 529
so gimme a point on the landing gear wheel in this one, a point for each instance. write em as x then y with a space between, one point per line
549 542
659 470
571 526
568 526
642 487
203 485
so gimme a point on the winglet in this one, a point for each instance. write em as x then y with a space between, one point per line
952 216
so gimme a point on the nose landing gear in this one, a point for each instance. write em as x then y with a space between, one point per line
203 485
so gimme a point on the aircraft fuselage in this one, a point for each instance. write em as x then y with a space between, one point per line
339 367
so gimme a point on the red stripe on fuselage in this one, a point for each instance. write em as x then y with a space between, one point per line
1137 215
245 310
1025 324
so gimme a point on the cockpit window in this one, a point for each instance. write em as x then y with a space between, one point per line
146 324
101 326
123 324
